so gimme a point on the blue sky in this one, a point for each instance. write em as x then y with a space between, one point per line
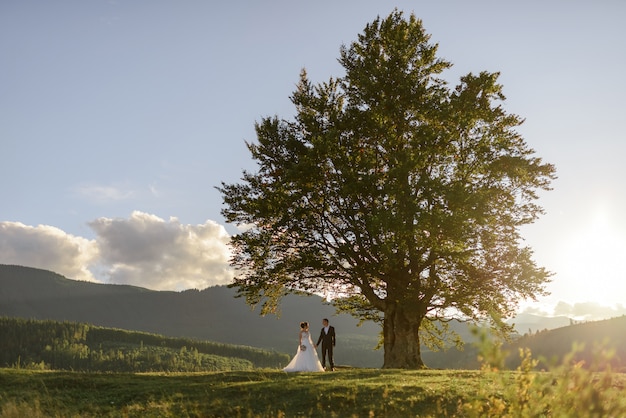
118 119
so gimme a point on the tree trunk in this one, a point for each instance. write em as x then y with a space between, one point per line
401 339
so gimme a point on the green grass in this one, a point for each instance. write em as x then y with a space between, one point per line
346 392
567 391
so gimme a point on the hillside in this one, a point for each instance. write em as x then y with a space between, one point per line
46 344
215 314
592 338
212 314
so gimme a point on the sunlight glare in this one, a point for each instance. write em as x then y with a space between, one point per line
591 264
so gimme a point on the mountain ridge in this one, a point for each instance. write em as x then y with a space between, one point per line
213 314
216 314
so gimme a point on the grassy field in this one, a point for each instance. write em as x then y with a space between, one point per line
347 392
344 393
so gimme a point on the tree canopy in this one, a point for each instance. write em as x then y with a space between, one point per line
393 193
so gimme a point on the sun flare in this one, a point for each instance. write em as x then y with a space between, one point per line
591 265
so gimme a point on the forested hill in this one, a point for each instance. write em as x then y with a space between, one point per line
46 344
212 314
594 340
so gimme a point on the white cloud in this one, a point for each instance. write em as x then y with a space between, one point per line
589 310
580 311
244 227
101 194
154 190
47 247
145 250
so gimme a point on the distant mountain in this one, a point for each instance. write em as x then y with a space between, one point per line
592 338
529 323
215 314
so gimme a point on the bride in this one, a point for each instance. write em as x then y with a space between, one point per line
306 359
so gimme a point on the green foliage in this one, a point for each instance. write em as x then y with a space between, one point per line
55 345
392 190
567 390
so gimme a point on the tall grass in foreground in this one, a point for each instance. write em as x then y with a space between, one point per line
567 390
570 389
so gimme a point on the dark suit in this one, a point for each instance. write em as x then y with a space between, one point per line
328 342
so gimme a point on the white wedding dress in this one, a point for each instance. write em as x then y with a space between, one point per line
307 360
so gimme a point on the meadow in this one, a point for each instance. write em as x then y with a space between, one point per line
568 391
272 393
64 369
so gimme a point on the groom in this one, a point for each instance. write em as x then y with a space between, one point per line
327 338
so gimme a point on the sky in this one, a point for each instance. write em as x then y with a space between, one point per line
118 119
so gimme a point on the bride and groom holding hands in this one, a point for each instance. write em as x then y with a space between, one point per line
306 359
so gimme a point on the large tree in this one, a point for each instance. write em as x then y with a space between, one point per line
394 194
